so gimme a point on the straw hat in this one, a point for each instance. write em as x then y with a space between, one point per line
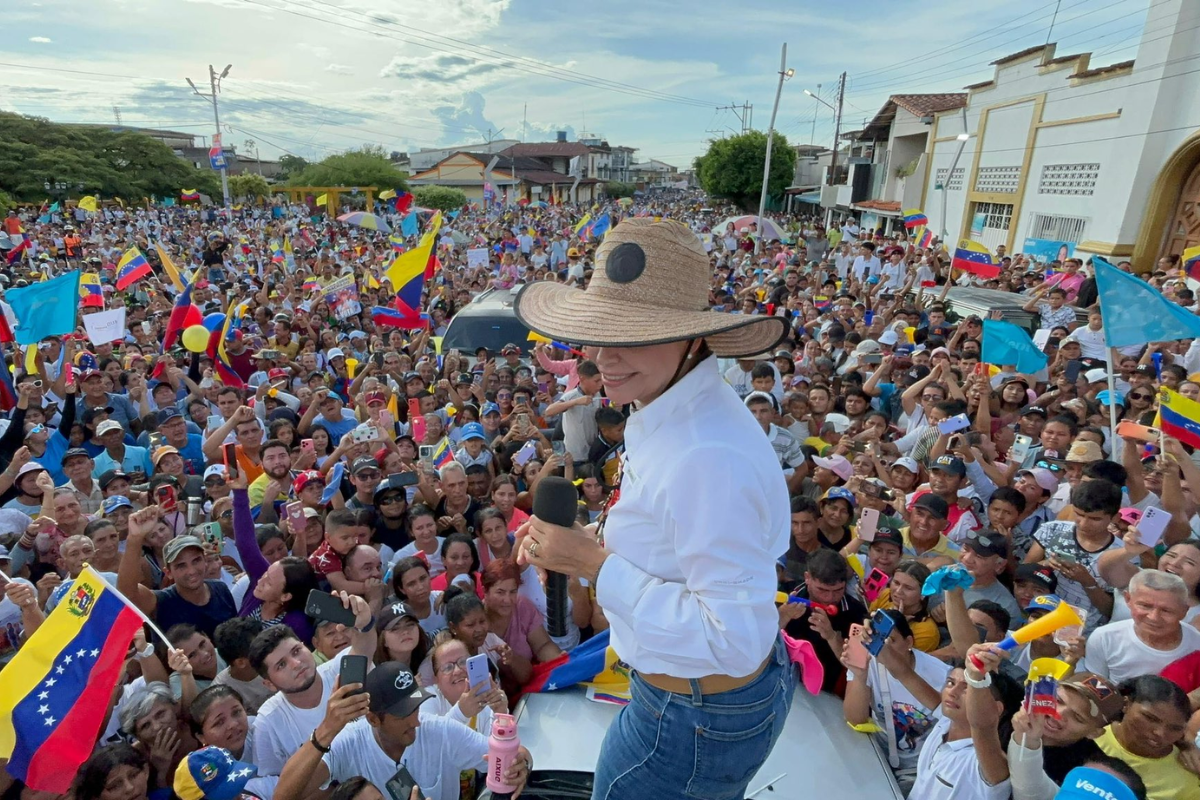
650 286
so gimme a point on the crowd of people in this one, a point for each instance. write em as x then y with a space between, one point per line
933 495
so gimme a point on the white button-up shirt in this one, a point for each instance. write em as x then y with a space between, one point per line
702 517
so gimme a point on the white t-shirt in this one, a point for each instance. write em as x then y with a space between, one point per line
1115 652
435 558
281 728
442 750
950 770
912 720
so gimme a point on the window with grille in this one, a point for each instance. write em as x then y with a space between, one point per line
1077 179
999 215
998 179
1058 228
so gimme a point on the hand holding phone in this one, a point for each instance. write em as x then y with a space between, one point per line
1152 526
856 654
353 669
868 524
231 461
166 499
325 606
477 671
882 626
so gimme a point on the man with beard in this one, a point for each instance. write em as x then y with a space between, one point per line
277 473
287 719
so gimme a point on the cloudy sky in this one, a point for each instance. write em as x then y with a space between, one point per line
313 77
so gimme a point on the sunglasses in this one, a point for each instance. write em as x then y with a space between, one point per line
391 500
986 541
1049 465
1140 396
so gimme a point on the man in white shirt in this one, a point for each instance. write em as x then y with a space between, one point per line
867 264
1091 338
578 409
843 259
391 736
288 718
892 273
1156 636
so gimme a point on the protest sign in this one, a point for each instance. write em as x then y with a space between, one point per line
341 295
105 326
477 257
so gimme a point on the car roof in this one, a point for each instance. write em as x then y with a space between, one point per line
817 755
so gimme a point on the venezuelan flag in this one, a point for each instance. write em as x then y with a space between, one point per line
583 223
537 337
1179 417
394 318
178 315
1191 262
974 258
54 693
216 349
915 218
289 257
132 267
407 271
397 242
169 266
443 455
90 292
276 252
189 195
15 254
923 237
311 285
590 662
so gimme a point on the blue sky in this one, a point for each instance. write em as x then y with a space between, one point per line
313 77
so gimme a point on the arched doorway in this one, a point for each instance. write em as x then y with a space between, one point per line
1184 231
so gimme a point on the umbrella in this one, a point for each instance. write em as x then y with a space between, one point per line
626 201
769 228
539 204
364 220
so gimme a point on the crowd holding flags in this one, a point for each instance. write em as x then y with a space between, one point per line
132 267
972 257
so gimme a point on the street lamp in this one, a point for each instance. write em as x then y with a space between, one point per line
785 73
819 100
962 143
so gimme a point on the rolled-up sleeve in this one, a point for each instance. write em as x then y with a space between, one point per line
716 513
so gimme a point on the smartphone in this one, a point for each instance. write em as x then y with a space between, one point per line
211 533
956 423
295 517
1074 366
875 583
69 375
477 670
868 523
881 628
858 447
353 669
477 379
425 455
543 388
416 425
1128 429
1063 556
377 360
365 433
1153 525
858 657
146 328
231 462
387 421
166 499
214 421
1020 448
559 447
307 446
157 440
871 358
523 420
522 456
400 786
324 606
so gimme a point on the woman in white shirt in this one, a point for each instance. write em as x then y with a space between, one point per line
683 562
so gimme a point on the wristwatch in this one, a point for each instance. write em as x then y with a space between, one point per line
320 747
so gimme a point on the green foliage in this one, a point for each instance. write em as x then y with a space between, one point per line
290 165
6 202
127 164
619 189
367 166
733 167
248 185
442 198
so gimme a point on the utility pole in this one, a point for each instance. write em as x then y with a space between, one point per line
837 126
214 81
784 74
744 113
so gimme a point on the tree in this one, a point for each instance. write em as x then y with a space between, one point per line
619 189
248 185
733 167
6 202
91 160
290 165
367 166
442 198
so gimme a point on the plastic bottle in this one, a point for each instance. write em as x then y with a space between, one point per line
502 751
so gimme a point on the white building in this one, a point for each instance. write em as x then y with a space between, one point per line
1103 158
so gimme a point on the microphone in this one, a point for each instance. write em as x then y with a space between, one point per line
556 502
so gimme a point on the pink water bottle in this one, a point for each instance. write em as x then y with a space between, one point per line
502 751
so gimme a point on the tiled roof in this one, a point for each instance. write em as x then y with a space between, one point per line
922 105
1091 73
1022 53
880 205
548 149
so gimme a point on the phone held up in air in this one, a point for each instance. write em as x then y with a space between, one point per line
295 517
231 462
858 657
353 669
325 606
477 670
882 626
166 499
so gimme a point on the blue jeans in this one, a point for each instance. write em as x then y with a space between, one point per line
663 745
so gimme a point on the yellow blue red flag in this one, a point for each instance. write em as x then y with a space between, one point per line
1179 417
1191 262
976 259
54 693
132 267
407 270
91 294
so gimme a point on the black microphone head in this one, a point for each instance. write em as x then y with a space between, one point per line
556 501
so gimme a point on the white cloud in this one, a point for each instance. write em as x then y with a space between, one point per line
340 69
39 39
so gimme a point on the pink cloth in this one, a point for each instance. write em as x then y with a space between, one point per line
811 671
525 618
568 367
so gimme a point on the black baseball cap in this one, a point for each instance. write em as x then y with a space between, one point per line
394 690
952 464
987 543
363 462
109 476
1034 411
1042 576
888 535
933 504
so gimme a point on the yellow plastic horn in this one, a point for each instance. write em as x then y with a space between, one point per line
1047 668
1060 617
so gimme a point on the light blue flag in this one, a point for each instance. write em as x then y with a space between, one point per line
601 226
1005 343
408 225
46 308
1136 313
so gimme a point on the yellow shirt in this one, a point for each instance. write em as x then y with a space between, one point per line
1165 779
944 547
926 636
